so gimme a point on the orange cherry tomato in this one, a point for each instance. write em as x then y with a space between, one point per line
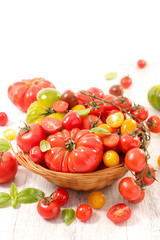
96 199
158 160
111 158
106 127
115 120
129 125
78 107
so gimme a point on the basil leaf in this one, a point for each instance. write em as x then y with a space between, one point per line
83 112
4 199
101 130
4 145
14 202
110 76
68 215
30 195
44 146
13 191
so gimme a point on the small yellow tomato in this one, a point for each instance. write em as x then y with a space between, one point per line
158 160
9 133
129 125
78 107
106 127
111 158
115 120
96 199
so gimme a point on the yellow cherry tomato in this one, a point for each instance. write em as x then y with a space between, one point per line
158 160
111 158
129 125
106 127
96 199
115 120
9 133
78 107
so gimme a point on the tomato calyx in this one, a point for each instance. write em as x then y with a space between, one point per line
93 123
24 129
47 200
151 123
70 145
139 177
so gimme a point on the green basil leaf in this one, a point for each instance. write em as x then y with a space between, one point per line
14 202
83 112
4 145
13 191
100 130
68 215
110 76
44 146
30 195
4 199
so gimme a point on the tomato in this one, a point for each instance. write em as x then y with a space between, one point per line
36 155
106 127
71 120
153 123
78 107
51 125
84 212
119 213
139 199
141 63
111 158
111 140
96 199
24 93
154 97
85 123
141 114
48 210
129 189
60 106
116 90
97 107
3 118
127 142
74 151
115 120
82 98
9 133
158 160
126 82
129 125
123 102
29 136
61 196
8 167
43 107
70 97
107 106
135 159
148 176
96 92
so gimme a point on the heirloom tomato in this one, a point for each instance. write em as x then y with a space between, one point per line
154 97
119 213
23 93
74 151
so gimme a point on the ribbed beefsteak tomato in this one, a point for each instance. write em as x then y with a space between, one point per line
75 151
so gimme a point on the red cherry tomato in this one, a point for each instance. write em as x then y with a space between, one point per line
96 91
60 106
85 124
82 98
139 199
111 140
141 114
119 213
126 104
135 159
97 108
48 210
141 63
51 125
153 123
84 212
129 189
127 142
8 167
126 82
71 120
148 176
36 155
3 118
61 196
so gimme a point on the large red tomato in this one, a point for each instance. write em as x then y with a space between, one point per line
23 93
76 151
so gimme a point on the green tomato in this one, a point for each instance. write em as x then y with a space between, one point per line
154 97
48 96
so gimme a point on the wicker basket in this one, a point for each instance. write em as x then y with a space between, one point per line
77 181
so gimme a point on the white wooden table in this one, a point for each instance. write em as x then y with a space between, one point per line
25 223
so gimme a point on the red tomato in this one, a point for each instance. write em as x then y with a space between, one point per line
111 140
23 93
141 63
141 114
8 167
126 82
127 142
60 106
148 176
48 210
51 125
96 109
29 136
36 155
129 189
85 123
135 159
139 199
71 120
153 123
3 118
84 212
126 104
61 195
116 90
96 91
74 151
107 106
119 213
82 98
70 97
